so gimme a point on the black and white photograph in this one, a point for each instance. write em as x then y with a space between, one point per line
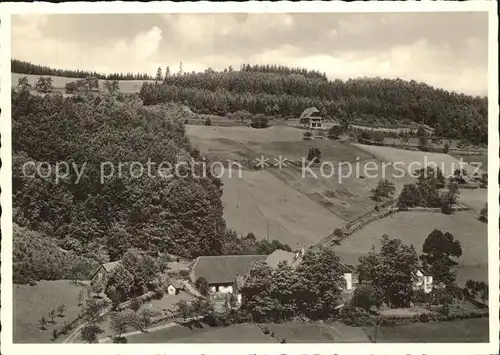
250 178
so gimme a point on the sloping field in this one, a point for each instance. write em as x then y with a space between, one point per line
59 82
414 227
245 134
474 198
33 302
261 203
239 333
412 160
295 332
346 191
474 330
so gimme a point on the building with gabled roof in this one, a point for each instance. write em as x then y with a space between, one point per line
221 271
104 270
311 118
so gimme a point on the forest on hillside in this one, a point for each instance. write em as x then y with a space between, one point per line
96 212
23 67
277 91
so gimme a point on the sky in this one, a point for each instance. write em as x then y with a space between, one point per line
446 50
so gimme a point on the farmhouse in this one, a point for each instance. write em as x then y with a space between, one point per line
174 287
423 282
311 118
221 271
104 270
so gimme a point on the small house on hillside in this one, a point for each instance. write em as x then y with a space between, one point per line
423 282
221 271
174 287
102 272
311 118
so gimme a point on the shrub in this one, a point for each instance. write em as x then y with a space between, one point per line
446 208
367 296
207 122
265 330
135 304
307 135
158 293
314 155
424 317
259 121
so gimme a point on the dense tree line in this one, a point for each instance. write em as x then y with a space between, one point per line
36 256
282 70
312 289
22 67
383 101
101 218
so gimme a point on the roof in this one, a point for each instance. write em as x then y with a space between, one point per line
176 284
111 266
308 112
108 267
278 255
223 269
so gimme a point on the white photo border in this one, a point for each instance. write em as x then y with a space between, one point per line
234 7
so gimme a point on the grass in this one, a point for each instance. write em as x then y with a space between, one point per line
33 302
59 82
347 196
483 159
295 332
446 162
474 330
240 333
261 203
414 227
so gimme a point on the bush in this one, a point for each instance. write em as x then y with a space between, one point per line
120 340
446 208
367 296
259 121
135 304
424 318
265 330
158 293
314 155
207 122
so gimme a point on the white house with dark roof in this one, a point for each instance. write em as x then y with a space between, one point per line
104 270
221 271
311 118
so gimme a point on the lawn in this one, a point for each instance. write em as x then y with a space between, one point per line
240 333
245 134
414 227
475 159
346 195
418 159
33 302
59 82
475 330
261 203
295 332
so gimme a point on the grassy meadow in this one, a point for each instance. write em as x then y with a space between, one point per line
33 302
